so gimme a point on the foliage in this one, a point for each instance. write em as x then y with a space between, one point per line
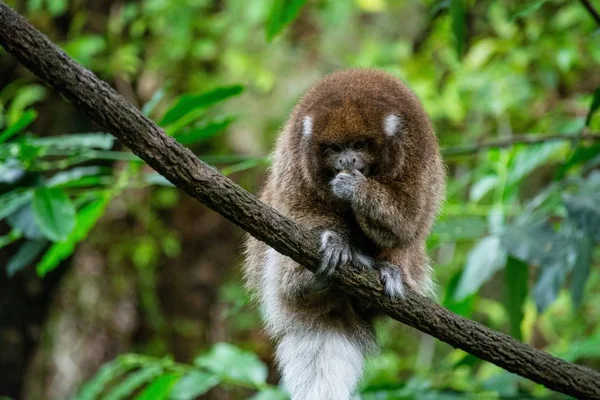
516 245
143 377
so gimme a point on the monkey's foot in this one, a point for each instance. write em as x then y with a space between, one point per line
336 251
392 280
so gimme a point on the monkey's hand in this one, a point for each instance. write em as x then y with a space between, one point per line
345 185
392 279
336 251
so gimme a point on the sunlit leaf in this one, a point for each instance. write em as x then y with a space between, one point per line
194 384
160 388
460 227
57 7
23 122
593 107
282 13
70 178
532 157
92 389
133 382
232 363
483 261
54 213
84 48
203 132
25 97
25 255
191 102
103 141
12 236
516 285
86 219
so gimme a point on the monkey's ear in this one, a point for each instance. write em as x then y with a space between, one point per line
392 124
307 126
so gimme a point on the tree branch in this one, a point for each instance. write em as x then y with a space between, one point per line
590 8
179 165
530 138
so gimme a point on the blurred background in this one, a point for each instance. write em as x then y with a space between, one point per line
115 285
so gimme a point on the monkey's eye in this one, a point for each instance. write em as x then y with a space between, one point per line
360 145
331 148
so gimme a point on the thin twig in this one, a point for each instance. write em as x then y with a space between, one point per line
588 6
527 139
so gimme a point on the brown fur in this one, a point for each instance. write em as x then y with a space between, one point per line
396 205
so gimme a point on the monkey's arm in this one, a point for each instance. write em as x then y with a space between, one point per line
391 215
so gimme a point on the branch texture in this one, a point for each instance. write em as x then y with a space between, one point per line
180 166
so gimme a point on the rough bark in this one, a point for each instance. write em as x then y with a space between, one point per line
182 168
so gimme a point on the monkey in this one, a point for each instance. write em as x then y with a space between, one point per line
359 163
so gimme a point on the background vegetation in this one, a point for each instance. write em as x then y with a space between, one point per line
115 285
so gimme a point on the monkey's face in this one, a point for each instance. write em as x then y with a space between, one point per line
348 156
353 137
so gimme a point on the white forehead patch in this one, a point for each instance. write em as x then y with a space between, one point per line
391 124
307 126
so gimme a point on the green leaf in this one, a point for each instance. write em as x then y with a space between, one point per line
537 244
92 389
234 364
57 7
593 107
160 388
103 141
12 236
133 382
462 307
191 102
584 212
25 97
483 261
23 122
269 394
75 176
457 13
86 219
154 100
203 132
12 201
25 255
460 227
529 8
194 384
11 171
245 165
581 269
24 220
516 282
540 245
282 13
532 157
53 212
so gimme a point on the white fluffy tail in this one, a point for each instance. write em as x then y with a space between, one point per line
320 364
